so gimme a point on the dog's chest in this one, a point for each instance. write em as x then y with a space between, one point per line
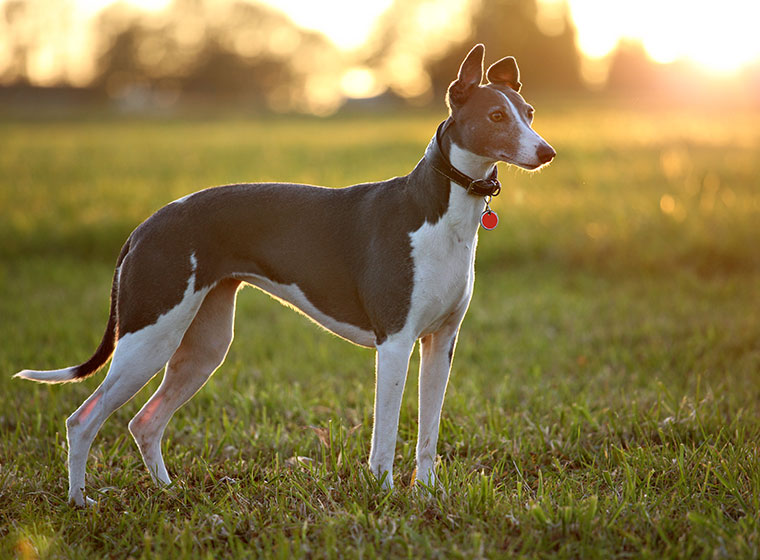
444 256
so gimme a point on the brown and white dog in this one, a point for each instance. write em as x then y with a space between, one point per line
379 264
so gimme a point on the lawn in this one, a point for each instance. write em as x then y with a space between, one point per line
604 400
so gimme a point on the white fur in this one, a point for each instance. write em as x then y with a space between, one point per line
137 358
473 165
435 365
293 296
391 365
182 199
48 376
444 274
444 256
515 115
203 349
193 337
529 141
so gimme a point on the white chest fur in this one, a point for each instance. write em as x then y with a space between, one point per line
444 259
444 253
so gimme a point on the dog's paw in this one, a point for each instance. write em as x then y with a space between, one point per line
427 487
80 501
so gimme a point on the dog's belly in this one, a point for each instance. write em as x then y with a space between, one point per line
291 295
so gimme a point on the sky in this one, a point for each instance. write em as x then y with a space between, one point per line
718 36
721 36
346 22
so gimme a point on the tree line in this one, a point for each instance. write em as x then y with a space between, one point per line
247 52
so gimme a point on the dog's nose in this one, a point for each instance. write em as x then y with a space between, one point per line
545 153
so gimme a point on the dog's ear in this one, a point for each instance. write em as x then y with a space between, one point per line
469 77
505 72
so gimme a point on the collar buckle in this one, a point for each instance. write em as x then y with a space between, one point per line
484 187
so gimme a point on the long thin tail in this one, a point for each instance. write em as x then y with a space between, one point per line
102 354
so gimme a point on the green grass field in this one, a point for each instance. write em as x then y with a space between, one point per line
604 399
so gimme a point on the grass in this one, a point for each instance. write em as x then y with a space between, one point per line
604 400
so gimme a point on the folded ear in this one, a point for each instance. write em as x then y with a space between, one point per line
505 72
469 77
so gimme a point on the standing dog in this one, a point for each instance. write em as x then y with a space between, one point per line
379 264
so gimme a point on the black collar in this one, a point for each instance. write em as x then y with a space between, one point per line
439 162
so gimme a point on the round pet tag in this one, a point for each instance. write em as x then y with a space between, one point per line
489 220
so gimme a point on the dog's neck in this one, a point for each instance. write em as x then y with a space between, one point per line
472 165
464 208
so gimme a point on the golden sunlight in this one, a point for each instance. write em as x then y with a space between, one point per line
360 82
347 23
59 40
719 36
91 7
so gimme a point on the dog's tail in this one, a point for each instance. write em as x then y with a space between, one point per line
102 354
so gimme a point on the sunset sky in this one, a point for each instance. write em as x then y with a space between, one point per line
719 36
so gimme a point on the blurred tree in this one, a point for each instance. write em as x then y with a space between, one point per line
411 34
631 69
120 33
16 42
33 38
548 58
419 44
238 51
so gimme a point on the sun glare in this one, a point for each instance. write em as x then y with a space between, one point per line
90 7
721 37
360 82
347 23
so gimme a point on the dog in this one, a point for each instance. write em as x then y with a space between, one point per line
381 265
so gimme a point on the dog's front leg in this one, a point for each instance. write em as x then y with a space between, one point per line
436 354
392 363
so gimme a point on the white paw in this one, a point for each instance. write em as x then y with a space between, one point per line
79 500
427 486
384 479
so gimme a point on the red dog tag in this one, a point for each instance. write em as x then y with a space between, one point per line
489 220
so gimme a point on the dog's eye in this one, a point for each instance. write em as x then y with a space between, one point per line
496 116
530 113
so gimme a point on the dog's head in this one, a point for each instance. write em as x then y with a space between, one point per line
493 120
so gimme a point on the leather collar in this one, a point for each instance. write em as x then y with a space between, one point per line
439 162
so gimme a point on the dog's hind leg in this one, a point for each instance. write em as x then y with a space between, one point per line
201 352
138 357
